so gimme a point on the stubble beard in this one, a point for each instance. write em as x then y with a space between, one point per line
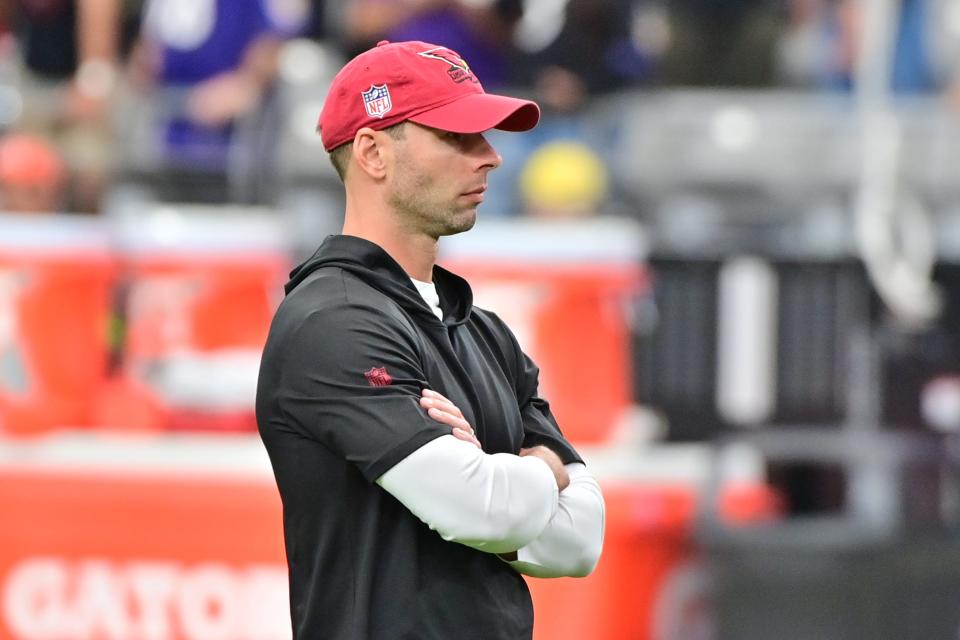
423 209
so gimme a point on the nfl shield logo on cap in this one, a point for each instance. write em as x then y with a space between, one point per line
376 99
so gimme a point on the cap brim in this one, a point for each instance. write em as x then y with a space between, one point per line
480 112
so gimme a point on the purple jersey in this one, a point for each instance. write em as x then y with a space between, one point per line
202 38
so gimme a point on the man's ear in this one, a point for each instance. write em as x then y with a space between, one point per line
370 152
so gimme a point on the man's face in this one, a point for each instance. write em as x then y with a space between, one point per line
439 179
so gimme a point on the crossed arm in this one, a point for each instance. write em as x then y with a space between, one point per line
542 516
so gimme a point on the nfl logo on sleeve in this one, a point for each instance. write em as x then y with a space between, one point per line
376 99
378 377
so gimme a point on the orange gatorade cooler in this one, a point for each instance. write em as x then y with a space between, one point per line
179 537
56 278
142 537
199 289
566 289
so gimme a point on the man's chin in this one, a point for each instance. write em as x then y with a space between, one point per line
463 222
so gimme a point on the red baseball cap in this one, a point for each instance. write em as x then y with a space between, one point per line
424 83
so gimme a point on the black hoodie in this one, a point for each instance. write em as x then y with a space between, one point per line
350 349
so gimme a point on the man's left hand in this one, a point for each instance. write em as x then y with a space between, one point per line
444 411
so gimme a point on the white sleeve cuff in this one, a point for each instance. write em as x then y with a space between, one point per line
492 502
570 544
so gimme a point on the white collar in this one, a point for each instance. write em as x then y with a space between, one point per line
428 291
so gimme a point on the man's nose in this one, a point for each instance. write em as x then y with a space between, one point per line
488 157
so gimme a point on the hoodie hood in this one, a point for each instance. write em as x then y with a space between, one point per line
375 267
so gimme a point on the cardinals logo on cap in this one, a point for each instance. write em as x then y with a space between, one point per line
376 100
459 69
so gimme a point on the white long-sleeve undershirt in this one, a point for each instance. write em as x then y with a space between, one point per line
492 502
571 542
501 502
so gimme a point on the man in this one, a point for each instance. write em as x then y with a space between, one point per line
419 471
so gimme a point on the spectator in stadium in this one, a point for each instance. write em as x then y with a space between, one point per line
821 46
210 63
722 43
481 31
597 50
596 47
64 57
32 175
415 459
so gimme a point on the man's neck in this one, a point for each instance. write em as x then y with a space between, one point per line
415 253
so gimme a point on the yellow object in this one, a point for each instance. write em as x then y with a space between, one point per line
563 176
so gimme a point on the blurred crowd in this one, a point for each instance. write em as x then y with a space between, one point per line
177 94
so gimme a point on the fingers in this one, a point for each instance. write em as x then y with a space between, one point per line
430 393
442 410
467 437
434 399
449 419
